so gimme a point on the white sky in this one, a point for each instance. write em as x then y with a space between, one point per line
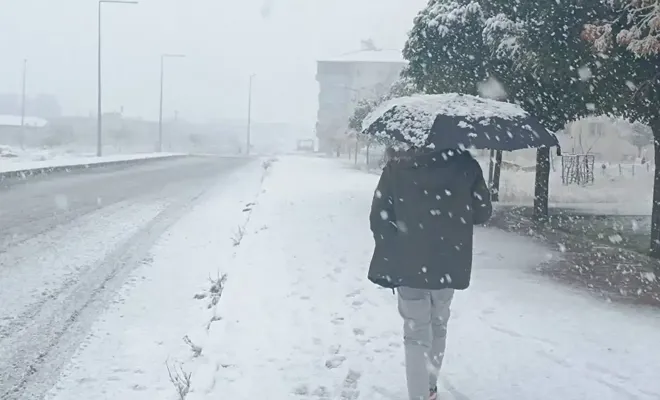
224 40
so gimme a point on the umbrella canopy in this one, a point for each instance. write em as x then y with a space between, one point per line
451 121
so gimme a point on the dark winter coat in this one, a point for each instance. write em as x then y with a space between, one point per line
423 216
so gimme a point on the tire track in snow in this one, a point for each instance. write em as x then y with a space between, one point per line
35 349
61 234
57 328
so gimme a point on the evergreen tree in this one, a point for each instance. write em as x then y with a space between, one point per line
533 48
545 65
445 47
400 88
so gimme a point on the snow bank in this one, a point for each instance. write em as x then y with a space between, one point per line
14 164
17 121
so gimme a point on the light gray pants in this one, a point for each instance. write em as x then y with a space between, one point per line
425 314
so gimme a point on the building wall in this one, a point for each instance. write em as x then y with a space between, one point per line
342 84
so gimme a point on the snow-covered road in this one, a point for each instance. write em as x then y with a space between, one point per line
297 318
68 242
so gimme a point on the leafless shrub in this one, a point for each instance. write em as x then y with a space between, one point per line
213 319
217 286
180 379
238 236
197 351
214 292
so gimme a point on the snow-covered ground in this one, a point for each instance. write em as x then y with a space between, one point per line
125 354
622 189
297 318
12 160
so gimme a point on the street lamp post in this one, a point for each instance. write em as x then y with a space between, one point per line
99 116
160 109
249 121
23 105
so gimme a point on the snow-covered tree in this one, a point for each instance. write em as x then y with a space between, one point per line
362 109
628 44
640 137
532 49
445 47
543 62
545 65
400 88
637 28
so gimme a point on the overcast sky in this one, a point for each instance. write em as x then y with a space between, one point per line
224 41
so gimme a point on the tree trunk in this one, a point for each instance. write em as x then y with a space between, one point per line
491 158
497 170
655 211
541 184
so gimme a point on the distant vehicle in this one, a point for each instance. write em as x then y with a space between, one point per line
306 145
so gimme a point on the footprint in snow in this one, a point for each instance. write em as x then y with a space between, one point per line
334 349
321 392
349 388
488 311
357 303
302 390
335 362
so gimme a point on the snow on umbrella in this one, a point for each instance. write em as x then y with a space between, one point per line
451 121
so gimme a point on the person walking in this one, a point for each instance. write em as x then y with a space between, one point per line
422 217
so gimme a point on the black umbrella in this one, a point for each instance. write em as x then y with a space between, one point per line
451 121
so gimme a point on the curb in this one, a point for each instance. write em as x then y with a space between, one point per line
36 172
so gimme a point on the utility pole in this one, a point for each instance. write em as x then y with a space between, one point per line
99 107
23 105
249 121
160 108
